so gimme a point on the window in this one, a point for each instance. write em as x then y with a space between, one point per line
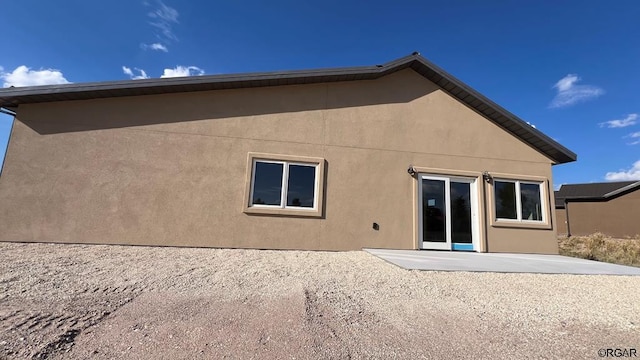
518 200
285 185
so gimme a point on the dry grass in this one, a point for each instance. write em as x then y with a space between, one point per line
600 247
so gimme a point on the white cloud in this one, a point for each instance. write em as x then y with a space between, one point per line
625 175
24 76
635 138
182 71
155 46
178 71
163 17
569 93
631 119
128 71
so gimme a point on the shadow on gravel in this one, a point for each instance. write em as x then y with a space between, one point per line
63 344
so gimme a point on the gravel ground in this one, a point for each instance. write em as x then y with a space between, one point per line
119 302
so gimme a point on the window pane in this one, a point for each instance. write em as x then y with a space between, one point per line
302 183
531 202
434 210
267 183
461 212
505 200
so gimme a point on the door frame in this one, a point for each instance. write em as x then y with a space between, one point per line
475 213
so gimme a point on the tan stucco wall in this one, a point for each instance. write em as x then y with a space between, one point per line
617 217
170 169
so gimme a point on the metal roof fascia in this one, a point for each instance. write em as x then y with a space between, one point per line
172 82
621 190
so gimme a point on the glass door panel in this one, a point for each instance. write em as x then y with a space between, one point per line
434 210
461 217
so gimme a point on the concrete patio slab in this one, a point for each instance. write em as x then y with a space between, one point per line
498 262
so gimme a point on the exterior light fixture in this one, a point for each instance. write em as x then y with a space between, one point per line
486 176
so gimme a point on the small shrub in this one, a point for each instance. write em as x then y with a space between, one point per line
595 245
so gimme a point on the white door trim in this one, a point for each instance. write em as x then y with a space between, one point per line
475 219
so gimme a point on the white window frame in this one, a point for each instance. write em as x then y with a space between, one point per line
283 210
285 185
518 195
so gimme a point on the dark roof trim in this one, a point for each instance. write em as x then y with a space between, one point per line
622 190
7 111
13 97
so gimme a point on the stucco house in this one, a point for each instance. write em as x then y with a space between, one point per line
612 208
401 155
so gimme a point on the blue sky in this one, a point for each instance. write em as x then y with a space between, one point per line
571 68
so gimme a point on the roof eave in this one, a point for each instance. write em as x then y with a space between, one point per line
13 97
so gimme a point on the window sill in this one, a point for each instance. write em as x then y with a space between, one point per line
521 224
253 210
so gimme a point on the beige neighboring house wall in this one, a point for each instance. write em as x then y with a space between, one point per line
561 221
617 217
171 169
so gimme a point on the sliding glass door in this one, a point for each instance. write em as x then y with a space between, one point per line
448 215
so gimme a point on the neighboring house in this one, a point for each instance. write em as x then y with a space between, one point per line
400 155
612 208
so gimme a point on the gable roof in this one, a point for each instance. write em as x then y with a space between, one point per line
14 97
593 191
